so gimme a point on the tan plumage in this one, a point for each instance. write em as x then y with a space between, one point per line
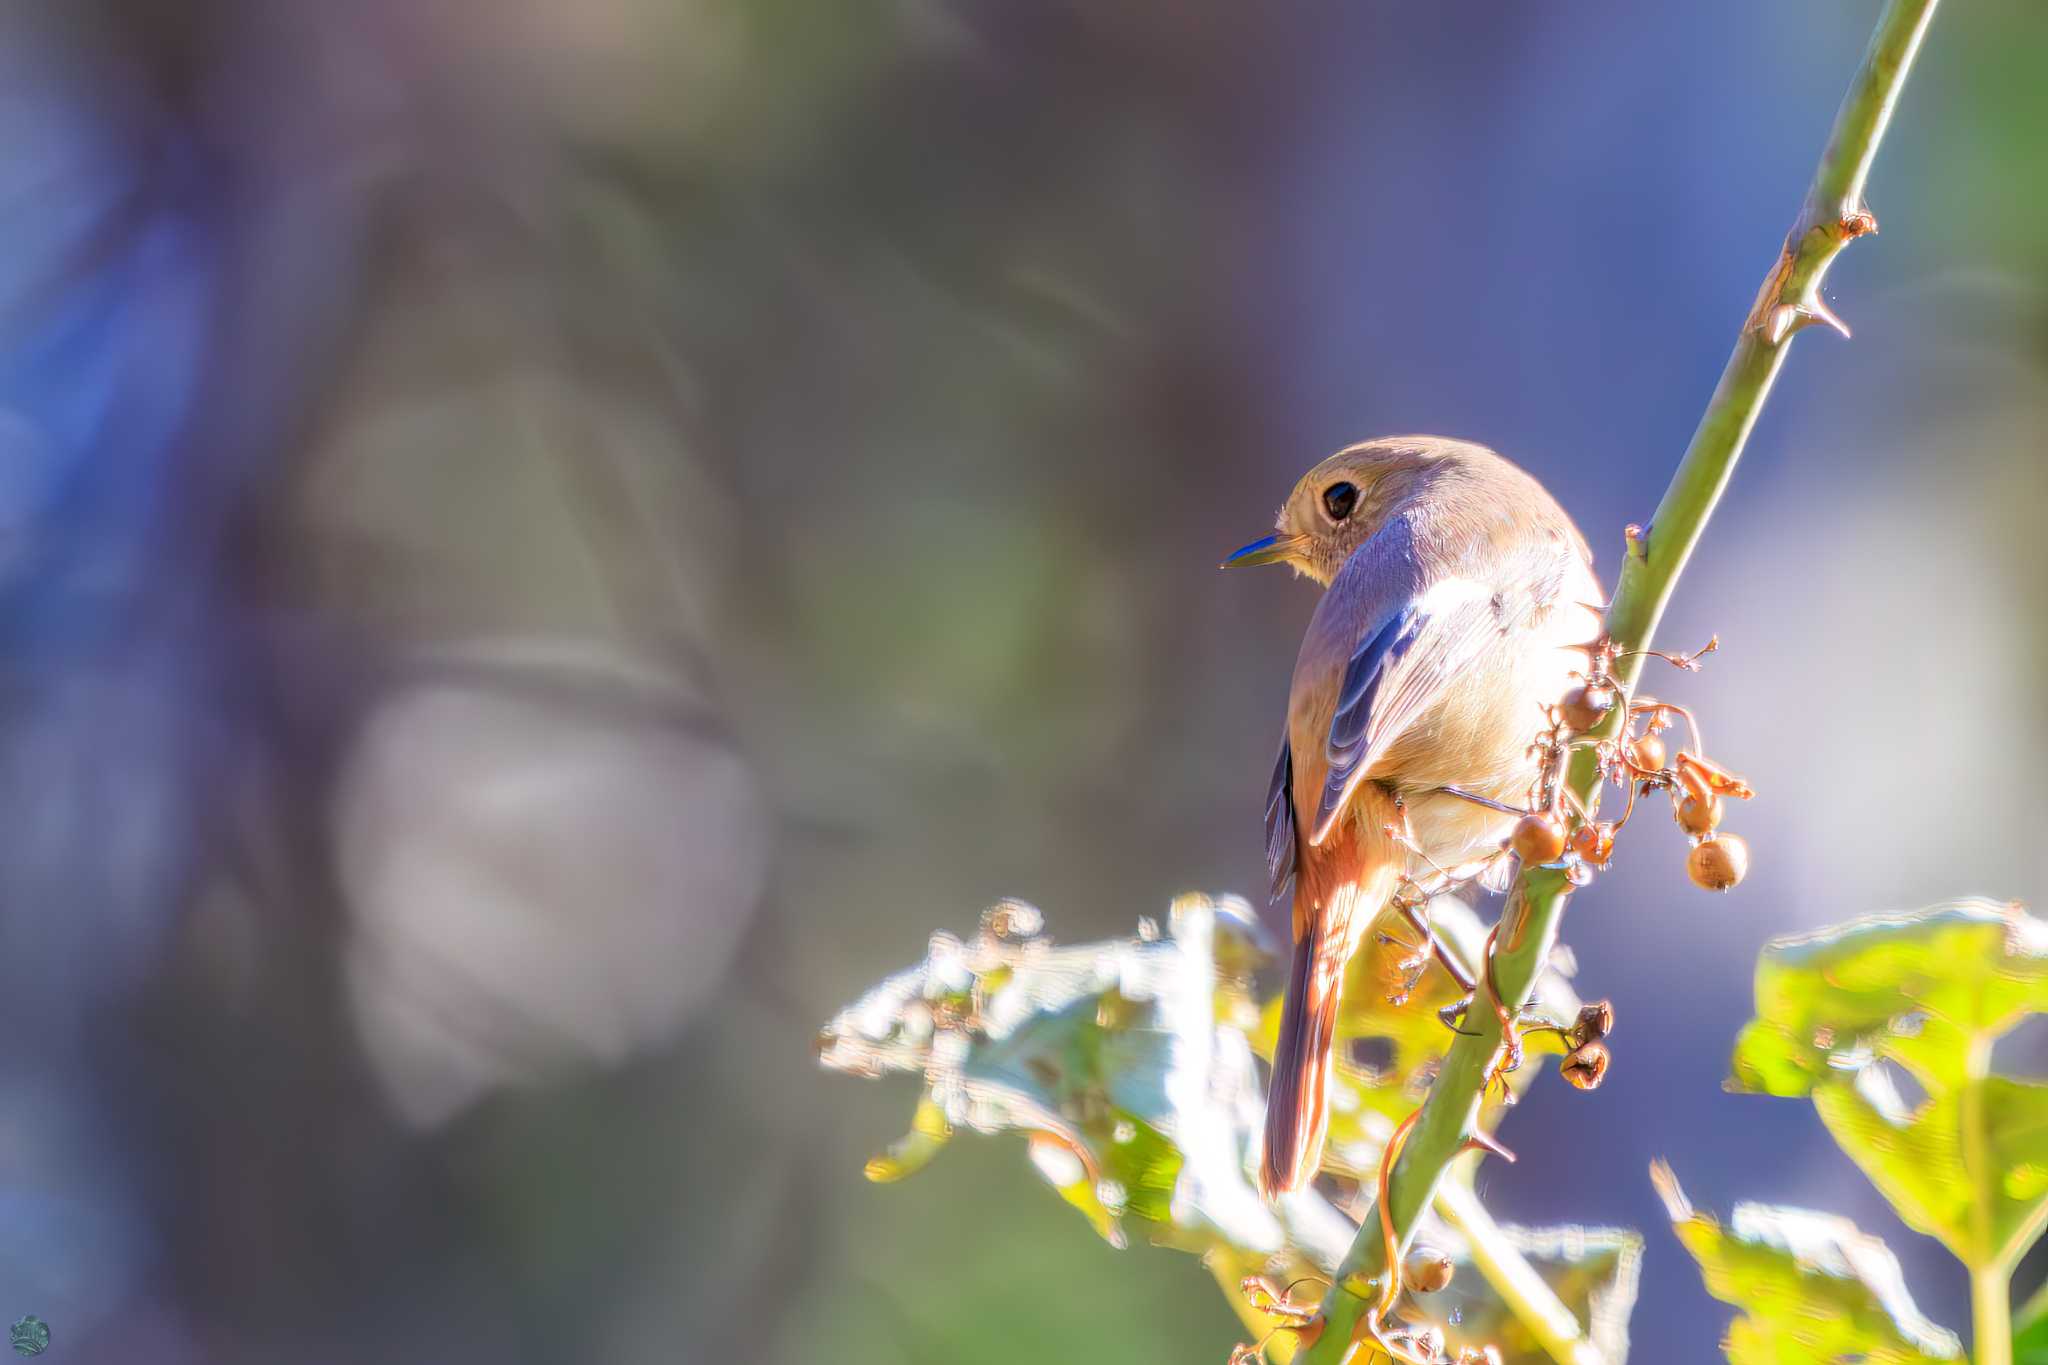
1457 589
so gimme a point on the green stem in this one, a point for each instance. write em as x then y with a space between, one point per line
1833 215
1990 1315
1991 1269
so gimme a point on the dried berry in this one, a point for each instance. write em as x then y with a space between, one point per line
1594 842
1585 1067
1698 817
1427 1272
1585 707
1538 839
1717 864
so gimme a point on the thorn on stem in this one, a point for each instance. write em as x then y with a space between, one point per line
1787 318
1485 1142
1819 310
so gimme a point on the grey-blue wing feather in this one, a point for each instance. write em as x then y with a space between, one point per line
1392 634
1280 848
1351 727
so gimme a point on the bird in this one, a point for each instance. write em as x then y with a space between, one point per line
1459 600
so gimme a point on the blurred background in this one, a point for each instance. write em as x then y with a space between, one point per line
545 546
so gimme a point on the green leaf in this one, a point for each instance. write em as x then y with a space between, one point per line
1125 1063
1813 1289
1918 989
1130 1068
2030 1330
1929 993
1985 1206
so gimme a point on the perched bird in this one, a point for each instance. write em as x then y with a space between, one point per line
1460 599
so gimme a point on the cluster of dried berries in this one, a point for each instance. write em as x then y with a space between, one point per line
1585 1061
1559 829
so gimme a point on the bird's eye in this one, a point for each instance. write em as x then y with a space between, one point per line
1339 499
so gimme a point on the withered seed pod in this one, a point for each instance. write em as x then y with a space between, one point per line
1427 1272
1647 753
1595 1022
1698 817
1585 1067
1719 863
1586 707
1594 842
1538 839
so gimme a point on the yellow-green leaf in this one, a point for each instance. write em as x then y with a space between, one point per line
1812 1288
1927 993
2030 1330
1919 989
1969 1166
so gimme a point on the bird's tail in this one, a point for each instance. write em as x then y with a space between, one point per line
1297 1102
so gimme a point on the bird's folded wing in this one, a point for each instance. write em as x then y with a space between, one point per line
1414 637
1280 823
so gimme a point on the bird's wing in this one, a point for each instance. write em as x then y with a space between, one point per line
1413 636
1280 823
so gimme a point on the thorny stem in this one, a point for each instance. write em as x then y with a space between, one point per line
1833 215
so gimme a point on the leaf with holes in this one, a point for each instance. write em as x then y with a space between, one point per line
1813 1289
1125 1063
1130 1068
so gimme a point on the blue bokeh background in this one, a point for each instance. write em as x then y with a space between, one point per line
544 547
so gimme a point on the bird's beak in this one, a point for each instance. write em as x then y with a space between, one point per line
1274 549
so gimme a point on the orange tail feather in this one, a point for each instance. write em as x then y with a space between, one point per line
1297 1102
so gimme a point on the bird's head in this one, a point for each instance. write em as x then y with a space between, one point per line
1340 503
